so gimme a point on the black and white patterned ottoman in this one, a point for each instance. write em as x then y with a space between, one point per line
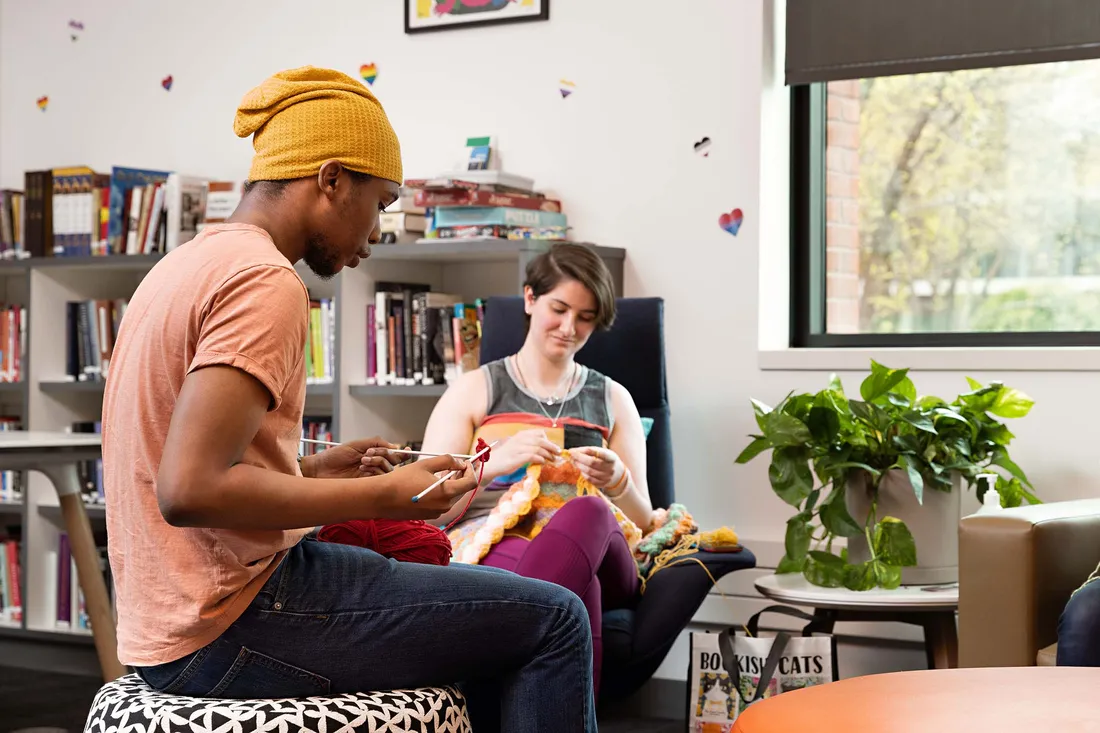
128 705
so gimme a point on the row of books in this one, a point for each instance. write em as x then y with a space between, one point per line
473 204
320 344
90 329
90 472
416 336
77 211
11 585
317 427
71 612
13 342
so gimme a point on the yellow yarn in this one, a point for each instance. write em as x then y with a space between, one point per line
718 539
302 117
689 544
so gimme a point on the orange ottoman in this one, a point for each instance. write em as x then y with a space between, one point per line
986 700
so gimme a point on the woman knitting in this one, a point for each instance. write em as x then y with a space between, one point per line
555 421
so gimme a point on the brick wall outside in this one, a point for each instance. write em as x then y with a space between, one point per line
842 284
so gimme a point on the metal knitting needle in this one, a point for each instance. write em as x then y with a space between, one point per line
394 450
474 457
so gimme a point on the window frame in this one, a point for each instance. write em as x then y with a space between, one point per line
807 255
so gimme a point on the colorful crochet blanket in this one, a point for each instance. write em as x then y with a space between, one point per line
525 508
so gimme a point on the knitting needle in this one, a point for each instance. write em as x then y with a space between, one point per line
473 458
394 450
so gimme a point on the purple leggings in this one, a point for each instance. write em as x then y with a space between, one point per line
583 549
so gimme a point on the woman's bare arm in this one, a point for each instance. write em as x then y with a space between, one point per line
628 442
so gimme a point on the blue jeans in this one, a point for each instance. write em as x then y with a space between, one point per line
335 618
1079 628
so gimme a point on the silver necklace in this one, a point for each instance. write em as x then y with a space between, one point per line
550 401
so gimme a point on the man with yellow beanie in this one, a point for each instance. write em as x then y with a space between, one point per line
221 588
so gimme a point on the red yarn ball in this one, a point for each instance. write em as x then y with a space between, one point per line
408 540
403 540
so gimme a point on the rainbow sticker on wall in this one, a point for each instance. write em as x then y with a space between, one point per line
567 88
369 72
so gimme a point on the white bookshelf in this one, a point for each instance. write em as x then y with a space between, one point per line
47 400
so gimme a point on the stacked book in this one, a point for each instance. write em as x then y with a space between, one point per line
416 336
404 221
487 204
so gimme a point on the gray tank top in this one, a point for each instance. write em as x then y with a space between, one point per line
588 403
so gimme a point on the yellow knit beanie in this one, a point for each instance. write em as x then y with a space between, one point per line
302 117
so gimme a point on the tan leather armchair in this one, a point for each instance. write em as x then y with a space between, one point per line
1017 569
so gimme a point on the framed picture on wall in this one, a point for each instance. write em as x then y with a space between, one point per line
422 16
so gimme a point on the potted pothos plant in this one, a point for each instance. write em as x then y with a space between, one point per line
826 445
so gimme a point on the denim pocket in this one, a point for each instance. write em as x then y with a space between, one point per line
256 675
171 677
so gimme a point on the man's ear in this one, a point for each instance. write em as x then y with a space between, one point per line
328 177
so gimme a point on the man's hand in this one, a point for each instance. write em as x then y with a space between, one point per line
354 459
411 479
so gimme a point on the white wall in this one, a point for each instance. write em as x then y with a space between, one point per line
651 78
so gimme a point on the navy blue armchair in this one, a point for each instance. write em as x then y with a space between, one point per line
636 640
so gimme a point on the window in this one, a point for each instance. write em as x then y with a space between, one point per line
956 208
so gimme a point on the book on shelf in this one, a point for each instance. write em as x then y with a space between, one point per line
320 343
90 330
11 586
11 223
419 337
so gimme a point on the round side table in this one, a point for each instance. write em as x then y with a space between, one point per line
932 607
995 699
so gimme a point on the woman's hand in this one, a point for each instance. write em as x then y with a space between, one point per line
523 448
601 466
354 459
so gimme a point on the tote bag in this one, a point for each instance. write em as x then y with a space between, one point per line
731 671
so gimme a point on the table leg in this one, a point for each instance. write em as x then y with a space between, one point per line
89 574
941 640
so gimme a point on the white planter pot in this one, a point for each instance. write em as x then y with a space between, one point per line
934 524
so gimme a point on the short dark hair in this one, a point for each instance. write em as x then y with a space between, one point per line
569 261
274 189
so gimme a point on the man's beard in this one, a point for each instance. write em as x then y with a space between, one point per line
320 257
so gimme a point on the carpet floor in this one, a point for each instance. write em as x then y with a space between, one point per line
37 701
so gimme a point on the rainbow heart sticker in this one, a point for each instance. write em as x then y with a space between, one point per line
567 88
166 82
42 102
731 222
369 72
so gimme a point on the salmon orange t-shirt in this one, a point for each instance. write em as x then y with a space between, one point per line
227 297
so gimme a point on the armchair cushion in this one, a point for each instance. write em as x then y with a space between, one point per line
1017 569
